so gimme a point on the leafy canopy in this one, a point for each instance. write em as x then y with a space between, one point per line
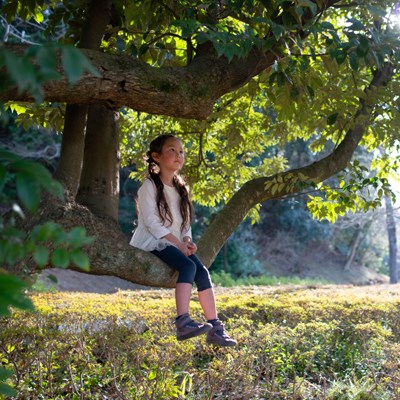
326 53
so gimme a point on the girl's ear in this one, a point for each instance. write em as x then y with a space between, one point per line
155 156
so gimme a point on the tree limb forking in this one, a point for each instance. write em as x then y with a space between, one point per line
255 191
110 254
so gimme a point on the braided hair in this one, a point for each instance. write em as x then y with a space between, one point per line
154 173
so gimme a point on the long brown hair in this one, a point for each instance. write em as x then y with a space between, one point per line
154 173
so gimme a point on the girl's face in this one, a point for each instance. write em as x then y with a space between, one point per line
172 156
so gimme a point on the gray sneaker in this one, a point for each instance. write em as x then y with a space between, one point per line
218 336
186 328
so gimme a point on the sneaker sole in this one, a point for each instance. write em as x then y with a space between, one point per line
198 332
227 344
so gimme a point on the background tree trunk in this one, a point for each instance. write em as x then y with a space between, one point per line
99 184
353 249
391 230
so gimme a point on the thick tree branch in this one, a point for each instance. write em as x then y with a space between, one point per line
188 92
255 191
110 252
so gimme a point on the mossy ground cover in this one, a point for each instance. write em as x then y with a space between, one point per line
327 342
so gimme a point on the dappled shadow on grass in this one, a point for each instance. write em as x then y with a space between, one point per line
329 342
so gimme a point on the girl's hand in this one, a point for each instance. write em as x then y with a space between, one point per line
184 248
192 247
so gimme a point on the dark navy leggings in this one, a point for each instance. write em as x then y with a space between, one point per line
190 268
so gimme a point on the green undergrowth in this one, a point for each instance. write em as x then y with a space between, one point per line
327 342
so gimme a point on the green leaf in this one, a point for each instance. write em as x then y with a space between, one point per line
52 278
309 4
80 259
327 25
340 56
3 176
21 71
353 61
10 9
41 255
73 63
42 233
280 79
377 11
78 237
310 91
332 119
134 50
46 57
363 47
4 374
60 258
356 25
188 26
274 188
11 294
28 191
277 30
7 390
143 49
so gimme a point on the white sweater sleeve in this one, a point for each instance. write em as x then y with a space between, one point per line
187 232
149 211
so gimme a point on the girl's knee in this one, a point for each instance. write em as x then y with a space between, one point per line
187 272
203 279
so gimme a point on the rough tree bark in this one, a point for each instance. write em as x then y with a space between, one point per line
72 146
188 92
99 183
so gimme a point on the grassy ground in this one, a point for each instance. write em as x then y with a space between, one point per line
294 342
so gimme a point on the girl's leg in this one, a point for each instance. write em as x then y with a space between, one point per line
185 327
205 289
217 334
183 292
187 270
207 302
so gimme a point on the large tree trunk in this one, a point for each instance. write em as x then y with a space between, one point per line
72 146
73 142
99 184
